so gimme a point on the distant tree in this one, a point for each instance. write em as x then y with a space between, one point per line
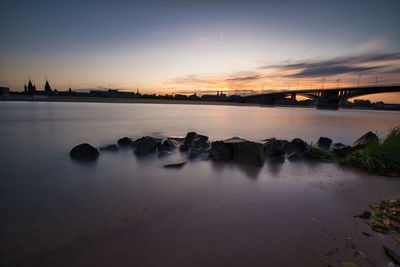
69 90
25 89
47 88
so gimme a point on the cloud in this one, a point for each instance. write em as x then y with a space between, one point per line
245 78
302 74
340 65
374 44
323 71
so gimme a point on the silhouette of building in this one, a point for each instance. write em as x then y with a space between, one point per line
31 88
47 88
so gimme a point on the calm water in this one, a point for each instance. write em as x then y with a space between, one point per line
130 211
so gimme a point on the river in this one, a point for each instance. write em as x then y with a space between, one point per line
126 210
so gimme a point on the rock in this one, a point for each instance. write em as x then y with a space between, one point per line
145 145
168 145
220 151
364 140
109 148
275 148
203 156
195 144
195 151
175 165
124 142
294 156
324 143
365 215
238 149
192 136
341 150
296 145
84 152
163 153
249 152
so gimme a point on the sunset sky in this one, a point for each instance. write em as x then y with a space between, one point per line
199 46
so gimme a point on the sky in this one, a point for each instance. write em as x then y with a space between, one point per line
199 46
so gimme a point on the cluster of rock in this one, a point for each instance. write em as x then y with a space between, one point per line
234 149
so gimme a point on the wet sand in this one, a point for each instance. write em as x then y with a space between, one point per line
290 219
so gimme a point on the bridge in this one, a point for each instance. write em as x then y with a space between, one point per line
326 98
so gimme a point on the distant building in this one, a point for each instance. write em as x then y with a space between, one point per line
4 91
47 88
31 88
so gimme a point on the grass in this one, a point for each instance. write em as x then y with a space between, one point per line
320 154
378 157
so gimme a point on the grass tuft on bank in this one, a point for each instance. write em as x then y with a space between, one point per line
378 157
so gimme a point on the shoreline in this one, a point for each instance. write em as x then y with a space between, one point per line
94 99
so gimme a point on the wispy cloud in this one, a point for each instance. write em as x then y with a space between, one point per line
341 65
302 74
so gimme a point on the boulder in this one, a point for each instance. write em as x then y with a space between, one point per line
238 149
296 145
364 140
84 152
195 144
109 148
167 145
341 150
324 143
163 153
145 145
275 148
175 165
294 156
220 151
249 152
124 142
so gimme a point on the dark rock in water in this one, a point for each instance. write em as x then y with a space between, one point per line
168 145
220 151
163 153
324 143
249 152
275 148
195 151
296 145
124 142
84 152
195 144
175 165
364 140
145 145
192 136
109 148
239 150
341 150
203 156
294 156
365 215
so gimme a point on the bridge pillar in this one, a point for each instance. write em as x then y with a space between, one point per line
329 100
